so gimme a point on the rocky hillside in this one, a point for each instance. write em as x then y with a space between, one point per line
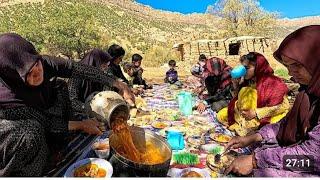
139 28
288 25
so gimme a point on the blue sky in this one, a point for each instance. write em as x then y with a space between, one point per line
287 8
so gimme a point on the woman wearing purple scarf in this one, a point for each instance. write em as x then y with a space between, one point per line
296 138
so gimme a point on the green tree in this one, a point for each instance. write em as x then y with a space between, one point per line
24 19
244 17
56 26
71 28
158 55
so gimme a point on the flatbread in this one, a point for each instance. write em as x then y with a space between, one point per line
221 138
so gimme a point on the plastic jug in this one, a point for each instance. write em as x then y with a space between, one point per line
175 139
185 103
238 72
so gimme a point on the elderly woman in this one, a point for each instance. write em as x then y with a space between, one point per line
35 105
298 134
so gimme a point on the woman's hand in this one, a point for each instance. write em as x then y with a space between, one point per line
92 126
125 92
241 142
135 91
201 107
243 165
236 84
249 114
198 90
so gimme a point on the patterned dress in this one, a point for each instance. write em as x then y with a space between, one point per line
78 104
24 130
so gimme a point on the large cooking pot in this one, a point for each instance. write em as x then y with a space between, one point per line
102 105
124 167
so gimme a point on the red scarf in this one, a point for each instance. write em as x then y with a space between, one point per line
218 67
271 89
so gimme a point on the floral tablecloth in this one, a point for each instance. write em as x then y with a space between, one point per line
158 102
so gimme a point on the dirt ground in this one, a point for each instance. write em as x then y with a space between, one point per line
157 75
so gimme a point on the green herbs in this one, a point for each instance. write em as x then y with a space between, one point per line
186 159
216 150
175 117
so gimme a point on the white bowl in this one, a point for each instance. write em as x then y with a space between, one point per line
101 153
177 173
100 162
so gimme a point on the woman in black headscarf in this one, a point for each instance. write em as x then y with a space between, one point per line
80 89
117 53
34 104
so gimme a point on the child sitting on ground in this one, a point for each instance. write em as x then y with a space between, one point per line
196 81
172 74
137 71
128 70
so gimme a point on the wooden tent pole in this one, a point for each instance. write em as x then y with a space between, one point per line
225 48
247 45
209 48
262 45
216 47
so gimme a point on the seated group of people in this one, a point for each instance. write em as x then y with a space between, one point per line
37 107
35 104
257 108
245 103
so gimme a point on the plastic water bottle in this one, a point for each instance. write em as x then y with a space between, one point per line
185 103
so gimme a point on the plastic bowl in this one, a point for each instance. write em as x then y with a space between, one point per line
102 148
238 72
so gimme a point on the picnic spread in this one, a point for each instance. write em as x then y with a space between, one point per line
195 139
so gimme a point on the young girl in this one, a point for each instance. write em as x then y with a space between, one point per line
262 98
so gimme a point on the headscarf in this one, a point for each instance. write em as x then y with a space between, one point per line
95 58
303 46
270 89
218 67
17 57
197 69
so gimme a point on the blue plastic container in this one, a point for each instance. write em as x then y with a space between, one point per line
238 72
185 103
175 139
